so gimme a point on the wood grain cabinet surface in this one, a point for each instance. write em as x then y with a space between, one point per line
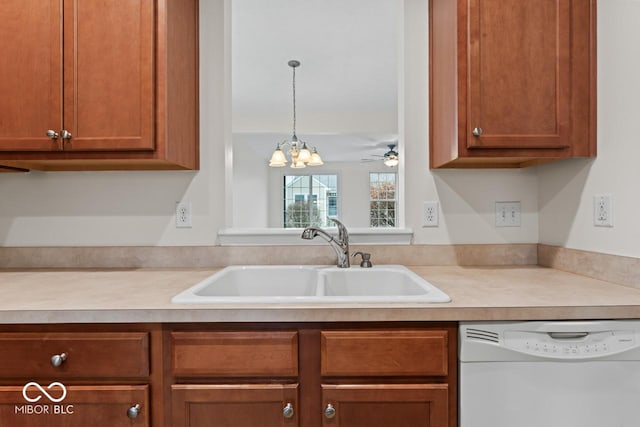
325 375
384 353
72 376
115 83
513 83
236 375
235 354
80 355
389 376
240 405
383 405
82 406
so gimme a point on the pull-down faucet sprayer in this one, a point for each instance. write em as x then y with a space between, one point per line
340 245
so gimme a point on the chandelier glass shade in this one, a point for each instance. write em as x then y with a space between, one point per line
300 155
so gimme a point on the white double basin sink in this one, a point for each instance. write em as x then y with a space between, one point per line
311 284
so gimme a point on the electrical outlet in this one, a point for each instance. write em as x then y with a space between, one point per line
507 214
183 215
603 210
431 215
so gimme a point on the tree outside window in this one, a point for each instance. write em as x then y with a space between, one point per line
382 199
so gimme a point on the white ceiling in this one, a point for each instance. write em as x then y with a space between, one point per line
347 48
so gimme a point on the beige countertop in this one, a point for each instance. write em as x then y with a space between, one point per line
144 295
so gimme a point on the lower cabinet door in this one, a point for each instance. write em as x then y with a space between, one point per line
250 405
384 405
52 404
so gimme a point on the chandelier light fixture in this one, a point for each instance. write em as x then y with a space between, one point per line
301 156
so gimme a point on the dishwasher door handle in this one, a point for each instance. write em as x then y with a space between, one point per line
568 335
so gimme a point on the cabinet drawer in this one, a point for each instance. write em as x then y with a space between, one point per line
75 405
235 354
384 353
86 355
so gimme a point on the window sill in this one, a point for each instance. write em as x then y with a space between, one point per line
291 236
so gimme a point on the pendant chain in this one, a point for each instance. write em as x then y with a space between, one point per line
294 100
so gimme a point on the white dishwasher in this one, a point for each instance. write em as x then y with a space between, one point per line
550 374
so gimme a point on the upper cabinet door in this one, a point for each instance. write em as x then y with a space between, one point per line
109 74
512 82
519 80
30 74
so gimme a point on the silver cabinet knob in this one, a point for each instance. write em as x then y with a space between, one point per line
58 359
65 134
287 411
476 131
133 411
52 134
329 411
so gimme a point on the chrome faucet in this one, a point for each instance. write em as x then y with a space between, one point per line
341 245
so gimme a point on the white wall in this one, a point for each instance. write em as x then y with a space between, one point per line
131 208
136 208
567 188
249 184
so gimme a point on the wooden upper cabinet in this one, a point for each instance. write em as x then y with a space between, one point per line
119 78
108 74
519 73
513 82
31 74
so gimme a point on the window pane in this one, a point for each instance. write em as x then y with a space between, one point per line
382 194
309 200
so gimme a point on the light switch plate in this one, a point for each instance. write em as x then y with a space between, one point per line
507 214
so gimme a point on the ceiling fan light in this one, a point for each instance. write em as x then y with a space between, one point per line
278 159
391 161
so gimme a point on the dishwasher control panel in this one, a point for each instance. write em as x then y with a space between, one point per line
569 345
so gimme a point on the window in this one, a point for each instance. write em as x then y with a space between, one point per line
382 199
309 200
332 202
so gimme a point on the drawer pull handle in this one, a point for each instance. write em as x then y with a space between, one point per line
52 134
133 411
65 134
329 411
477 131
287 411
58 359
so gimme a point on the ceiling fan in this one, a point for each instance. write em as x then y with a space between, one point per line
390 158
